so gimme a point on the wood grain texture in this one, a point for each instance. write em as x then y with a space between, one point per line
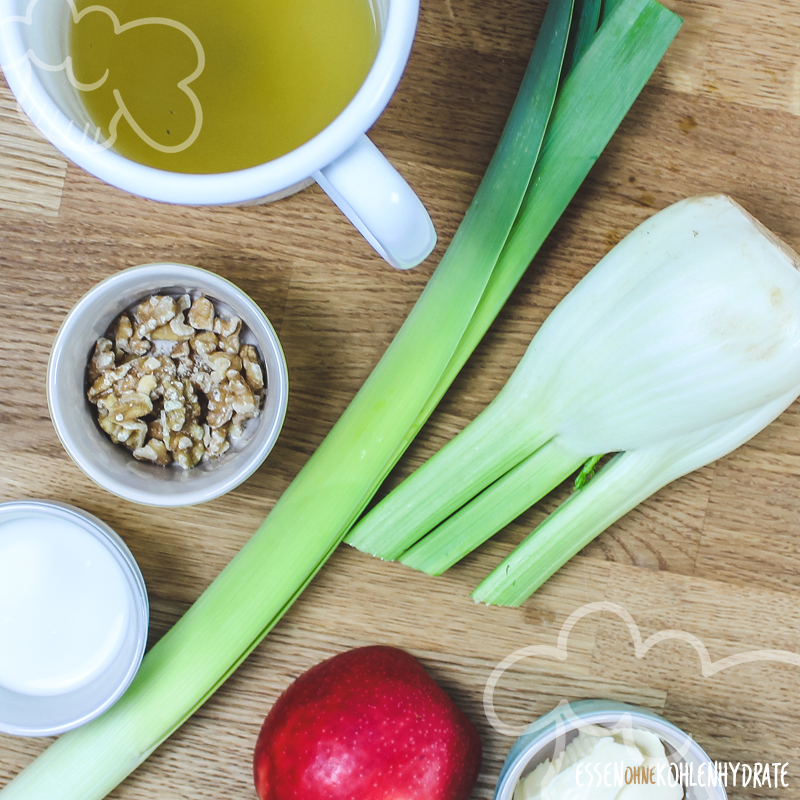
714 554
32 171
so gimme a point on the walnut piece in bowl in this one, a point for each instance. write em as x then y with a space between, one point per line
174 381
191 359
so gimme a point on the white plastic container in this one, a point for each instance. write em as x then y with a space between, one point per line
73 617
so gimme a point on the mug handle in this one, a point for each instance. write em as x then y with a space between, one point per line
376 199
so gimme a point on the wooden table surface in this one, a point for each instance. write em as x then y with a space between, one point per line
714 554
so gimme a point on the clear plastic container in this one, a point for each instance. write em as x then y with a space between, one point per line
550 733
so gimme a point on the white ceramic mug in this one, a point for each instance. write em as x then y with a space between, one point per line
345 163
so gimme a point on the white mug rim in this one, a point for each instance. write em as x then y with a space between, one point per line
243 185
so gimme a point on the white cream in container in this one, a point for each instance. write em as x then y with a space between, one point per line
640 769
73 617
620 725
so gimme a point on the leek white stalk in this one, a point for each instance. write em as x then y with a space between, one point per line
681 344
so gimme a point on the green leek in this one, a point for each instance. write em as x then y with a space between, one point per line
585 26
246 600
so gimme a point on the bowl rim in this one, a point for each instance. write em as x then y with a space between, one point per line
546 729
279 385
114 542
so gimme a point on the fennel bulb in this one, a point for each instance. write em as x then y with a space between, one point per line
680 345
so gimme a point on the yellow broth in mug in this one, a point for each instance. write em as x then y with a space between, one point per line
274 74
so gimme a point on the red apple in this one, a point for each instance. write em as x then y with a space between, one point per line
368 724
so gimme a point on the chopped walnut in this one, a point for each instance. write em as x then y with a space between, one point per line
155 450
166 333
156 429
132 406
108 424
219 364
180 328
191 456
202 380
147 384
136 432
220 407
236 429
216 440
227 327
205 343
196 431
138 346
201 314
123 336
243 400
153 313
107 380
230 344
102 359
173 382
128 377
252 368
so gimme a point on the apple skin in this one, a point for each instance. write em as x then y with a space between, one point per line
368 724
